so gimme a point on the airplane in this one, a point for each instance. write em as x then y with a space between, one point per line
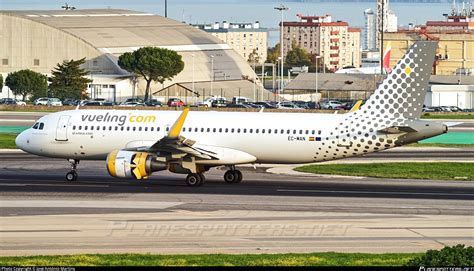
136 143
372 70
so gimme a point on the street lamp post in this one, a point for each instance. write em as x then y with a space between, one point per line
254 79
194 93
316 77
281 8
212 73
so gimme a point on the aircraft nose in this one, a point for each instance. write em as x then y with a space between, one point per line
21 141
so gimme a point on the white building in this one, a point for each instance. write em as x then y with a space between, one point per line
369 42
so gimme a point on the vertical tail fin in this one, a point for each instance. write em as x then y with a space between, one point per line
402 92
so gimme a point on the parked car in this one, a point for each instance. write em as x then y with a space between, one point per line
70 102
234 105
301 104
221 102
265 105
210 100
54 102
432 109
41 101
153 102
11 101
133 100
332 105
240 99
131 104
174 102
288 105
91 103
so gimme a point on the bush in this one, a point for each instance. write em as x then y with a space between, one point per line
448 256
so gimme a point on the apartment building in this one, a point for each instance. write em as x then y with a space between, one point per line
336 43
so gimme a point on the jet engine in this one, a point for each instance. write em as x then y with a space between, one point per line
129 164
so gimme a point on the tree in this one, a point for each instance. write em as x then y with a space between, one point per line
153 64
298 57
253 57
27 82
68 80
273 54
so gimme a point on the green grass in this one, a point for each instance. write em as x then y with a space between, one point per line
455 116
7 141
436 171
309 259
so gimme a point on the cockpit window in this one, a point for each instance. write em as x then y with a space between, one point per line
36 125
41 126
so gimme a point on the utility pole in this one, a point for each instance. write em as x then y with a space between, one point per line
166 8
281 8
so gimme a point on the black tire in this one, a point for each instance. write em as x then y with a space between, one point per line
193 180
232 176
239 176
71 176
203 179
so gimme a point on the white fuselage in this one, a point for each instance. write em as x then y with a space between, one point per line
270 137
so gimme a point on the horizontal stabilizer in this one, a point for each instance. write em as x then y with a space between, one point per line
397 130
452 123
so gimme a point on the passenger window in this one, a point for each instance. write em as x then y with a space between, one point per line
41 126
128 128
202 130
92 128
282 131
288 131
294 132
98 128
157 129
122 128
238 130
208 130
226 130
307 131
134 128
116 128
152 129
319 132
232 130
214 130
85 128
167 129
110 128
245 130
301 132
146 129
313 132
251 131
263 131
74 127
140 129
220 130
103 128
276 131
256 131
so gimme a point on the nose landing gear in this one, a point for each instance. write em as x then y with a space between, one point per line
72 175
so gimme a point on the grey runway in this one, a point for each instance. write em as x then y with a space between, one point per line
266 213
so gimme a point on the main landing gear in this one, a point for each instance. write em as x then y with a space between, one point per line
233 175
72 175
195 179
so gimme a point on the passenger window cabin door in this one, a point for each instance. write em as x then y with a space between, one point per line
61 129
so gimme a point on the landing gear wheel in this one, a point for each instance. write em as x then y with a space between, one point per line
233 176
239 176
71 176
203 179
194 179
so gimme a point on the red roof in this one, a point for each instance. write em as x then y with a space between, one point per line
353 29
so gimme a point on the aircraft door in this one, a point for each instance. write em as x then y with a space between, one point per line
61 129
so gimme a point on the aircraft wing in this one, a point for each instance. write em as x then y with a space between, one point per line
174 143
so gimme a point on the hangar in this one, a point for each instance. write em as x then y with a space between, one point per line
40 39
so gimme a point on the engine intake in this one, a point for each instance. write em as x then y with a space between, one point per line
128 164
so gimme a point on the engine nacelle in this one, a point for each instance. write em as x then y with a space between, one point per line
129 164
